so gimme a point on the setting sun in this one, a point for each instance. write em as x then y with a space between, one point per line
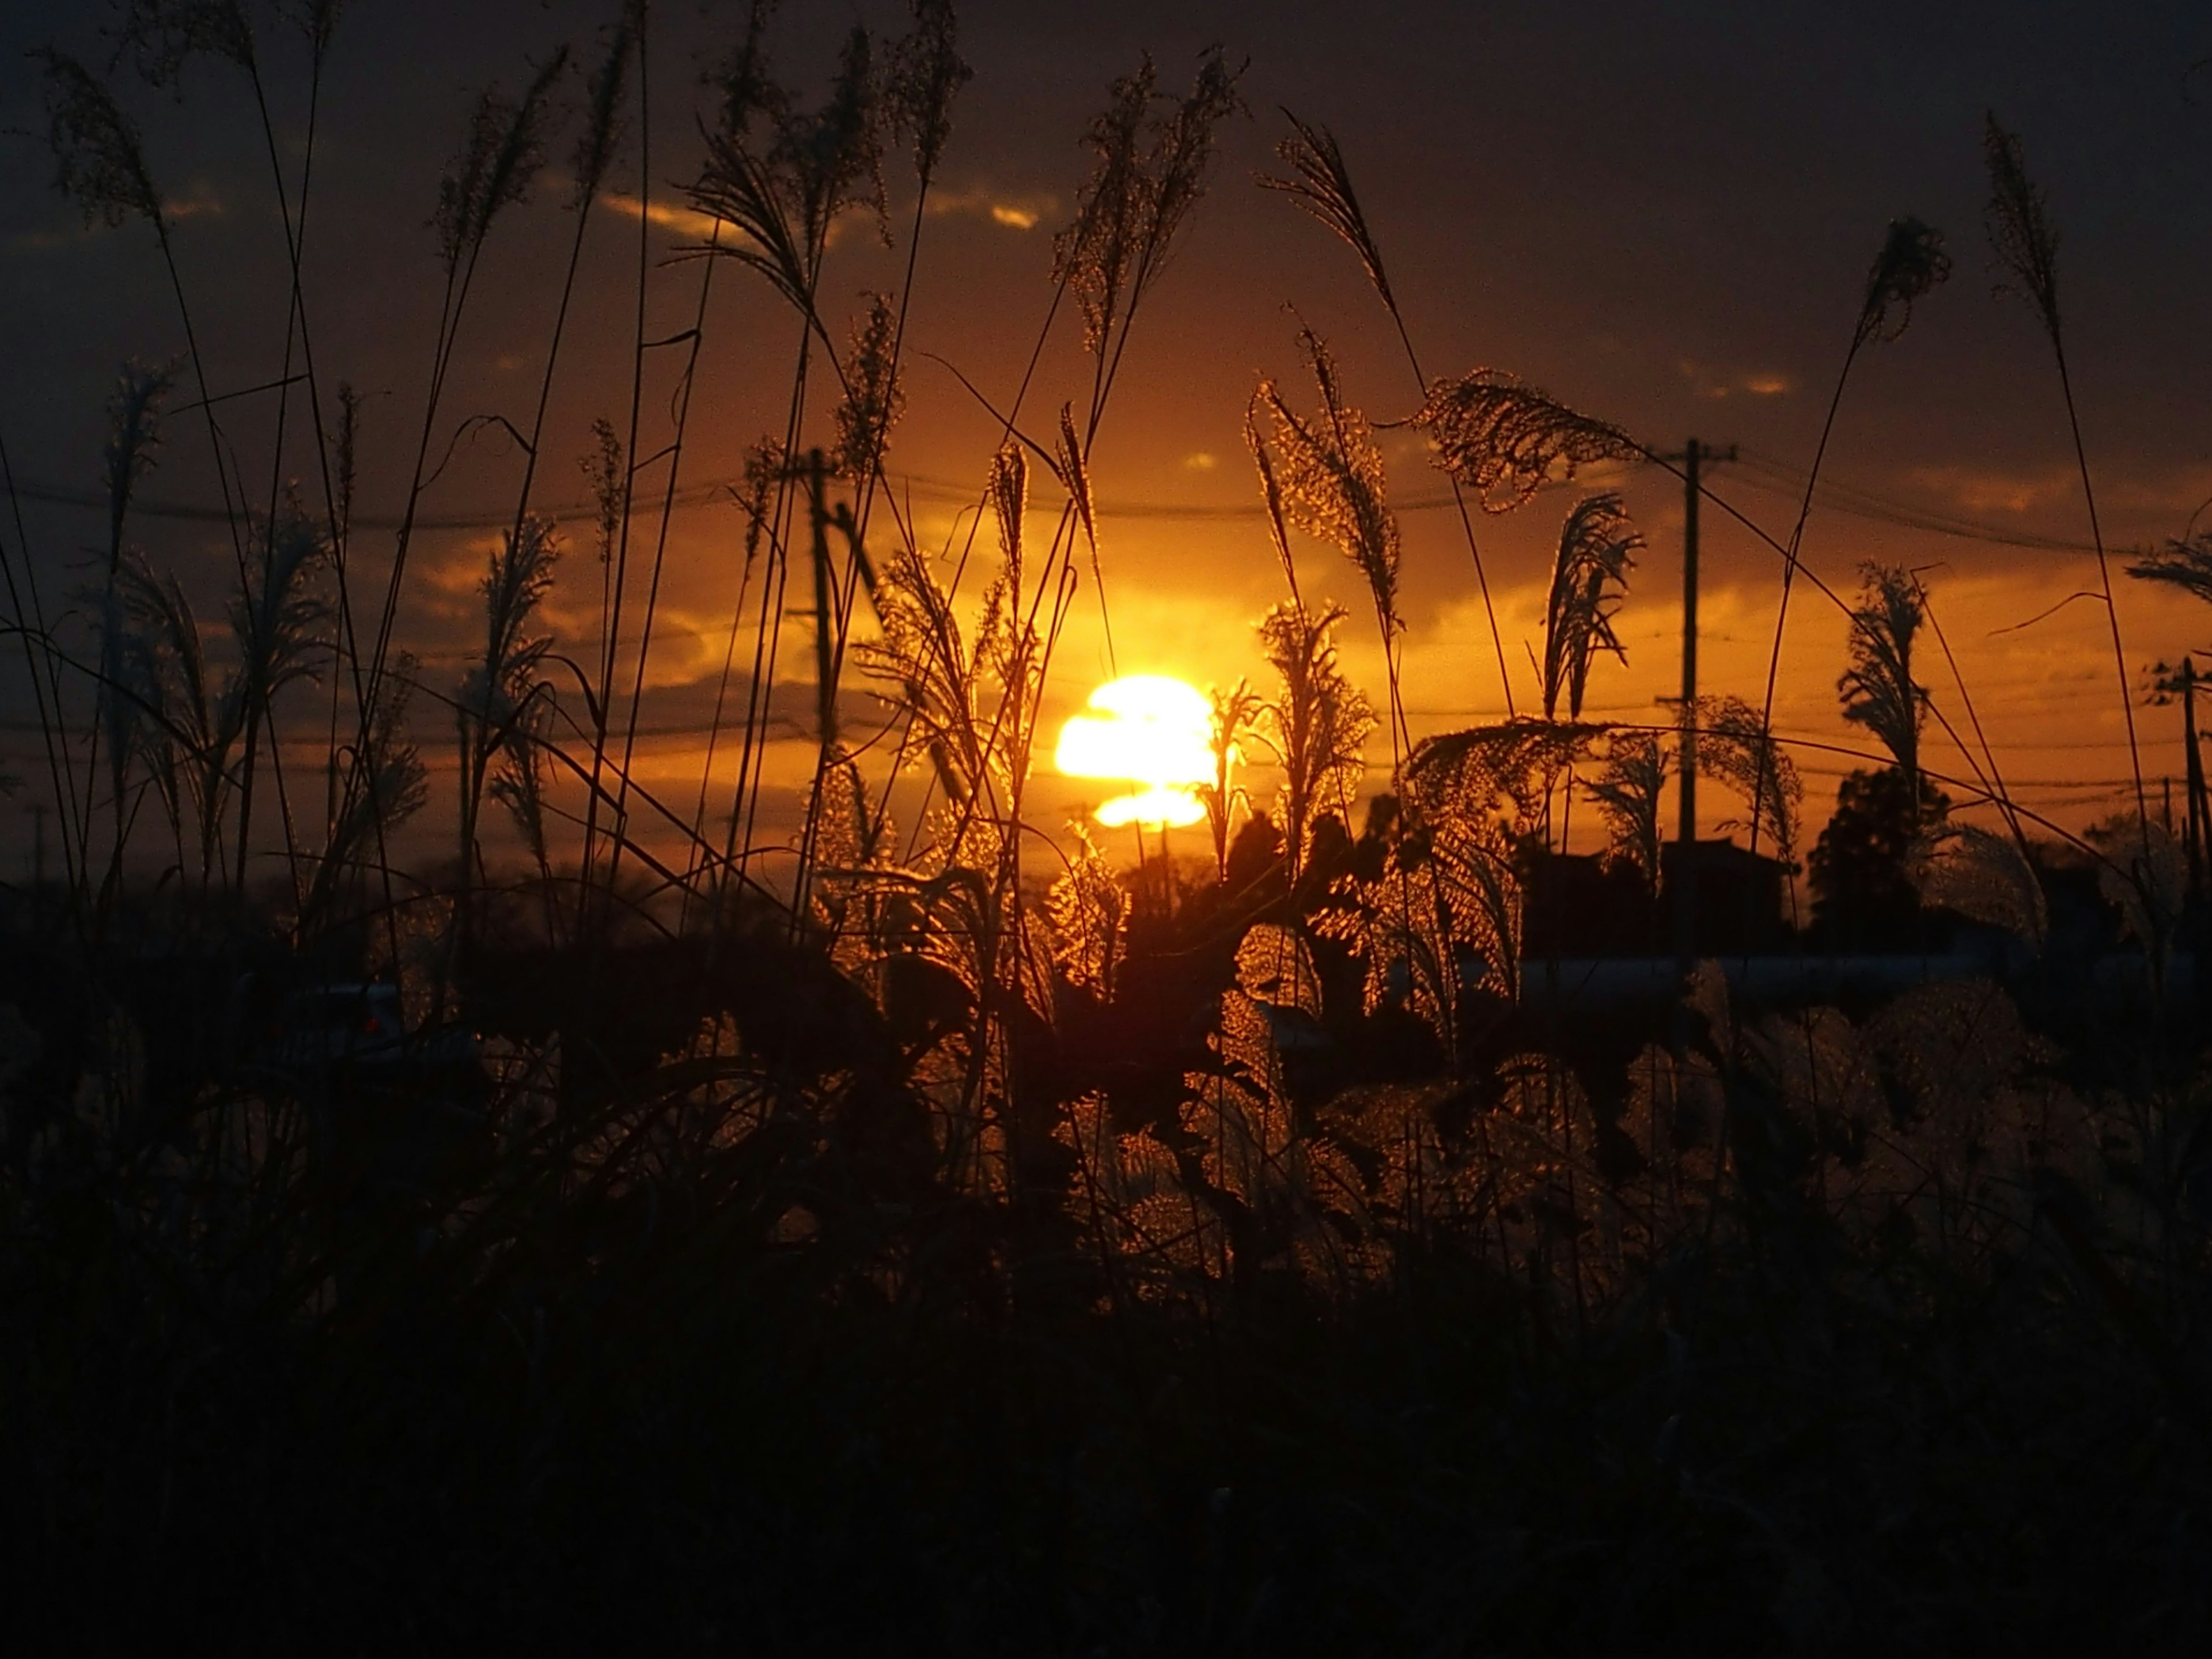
1147 730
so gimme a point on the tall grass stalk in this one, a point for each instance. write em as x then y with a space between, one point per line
593 154
1910 265
1323 189
493 169
2026 244
928 73
40 663
610 646
101 163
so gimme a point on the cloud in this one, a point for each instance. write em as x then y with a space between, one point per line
200 203
1199 460
1989 489
1016 210
685 220
1709 381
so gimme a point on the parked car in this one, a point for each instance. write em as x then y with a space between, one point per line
358 1028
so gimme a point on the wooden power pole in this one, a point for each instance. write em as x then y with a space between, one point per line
1693 457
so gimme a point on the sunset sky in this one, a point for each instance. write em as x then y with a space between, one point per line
1663 216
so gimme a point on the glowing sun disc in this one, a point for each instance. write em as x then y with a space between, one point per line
1152 808
1148 730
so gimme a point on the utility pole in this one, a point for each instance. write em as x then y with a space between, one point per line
2199 814
1693 457
825 619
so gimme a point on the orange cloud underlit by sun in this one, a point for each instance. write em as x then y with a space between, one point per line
1148 730
1014 211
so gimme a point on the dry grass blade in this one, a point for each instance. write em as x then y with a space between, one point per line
1009 487
1270 492
1505 440
1323 188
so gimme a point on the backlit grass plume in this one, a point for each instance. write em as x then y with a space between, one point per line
1271 493
1505 440
1628 792
280 620
100 161
2184 562
1323 188
1911 264
1878 689
133 446
1735 745
781 196
873 399
162 36
1150 172
1332 487
604 91
500 705
1236 714
1317 723
1597 549
926 73
496 164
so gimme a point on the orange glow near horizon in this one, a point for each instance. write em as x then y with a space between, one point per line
1147 730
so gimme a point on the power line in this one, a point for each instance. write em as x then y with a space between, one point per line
1782 478
1765 472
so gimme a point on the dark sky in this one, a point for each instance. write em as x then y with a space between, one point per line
1663 214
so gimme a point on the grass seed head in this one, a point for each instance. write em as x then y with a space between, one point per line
99 163
1911 263
2018 221
1505 440
1322 187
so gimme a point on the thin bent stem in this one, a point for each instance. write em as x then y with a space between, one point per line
2104 577
1789 566
612 643
660 547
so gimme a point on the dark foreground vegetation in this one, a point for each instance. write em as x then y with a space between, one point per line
1799 1336
666 1238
